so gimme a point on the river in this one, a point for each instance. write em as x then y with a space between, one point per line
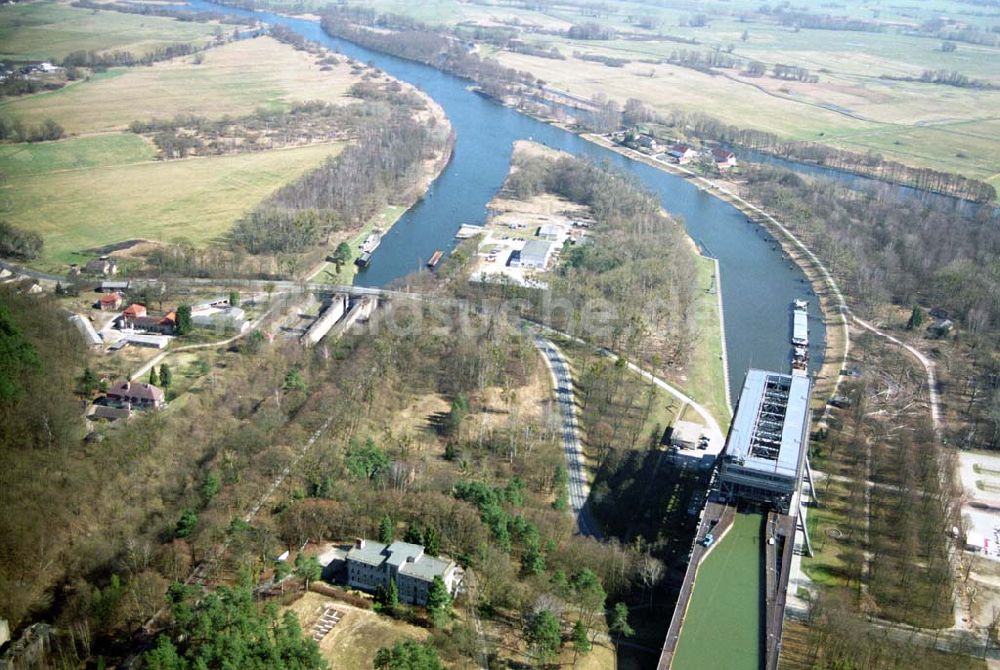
758 281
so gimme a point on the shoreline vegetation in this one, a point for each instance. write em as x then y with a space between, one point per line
327 271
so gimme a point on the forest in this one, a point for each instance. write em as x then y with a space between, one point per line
884 250
381 166
416 41
98 530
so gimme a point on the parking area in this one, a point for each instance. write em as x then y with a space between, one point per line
980 475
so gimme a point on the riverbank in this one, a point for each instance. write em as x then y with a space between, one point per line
326 272
831 301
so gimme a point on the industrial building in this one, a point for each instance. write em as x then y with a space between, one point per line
766 449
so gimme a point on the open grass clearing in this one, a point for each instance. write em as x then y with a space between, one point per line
234 79
353 642
78 153
826 528
196 200
50 30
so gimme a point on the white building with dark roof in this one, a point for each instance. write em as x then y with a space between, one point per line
371 565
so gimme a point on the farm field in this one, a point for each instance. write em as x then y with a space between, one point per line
21 160
52 30
234 79
943 127
196 200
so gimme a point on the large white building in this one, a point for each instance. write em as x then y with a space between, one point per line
534 254
371 565
766 450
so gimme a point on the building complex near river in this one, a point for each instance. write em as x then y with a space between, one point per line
371 565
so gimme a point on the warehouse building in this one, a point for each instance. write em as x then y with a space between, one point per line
766 449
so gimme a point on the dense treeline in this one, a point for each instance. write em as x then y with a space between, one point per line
617 290
40 428
415 41
946 78
116 58
19 244
381 166
19 131
15 85
891 249
590 31
703 61
946 29
95 530
305 122
893 549
532 50
799 19
885 249
610 61
480 489
227 629
870 164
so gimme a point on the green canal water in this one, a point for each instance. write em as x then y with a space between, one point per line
723 624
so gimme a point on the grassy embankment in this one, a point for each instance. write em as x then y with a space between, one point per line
103 187
706 375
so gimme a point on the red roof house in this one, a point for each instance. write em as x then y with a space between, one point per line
134 310
724 159
110 301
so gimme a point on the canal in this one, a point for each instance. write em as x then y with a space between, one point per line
758 281
723 627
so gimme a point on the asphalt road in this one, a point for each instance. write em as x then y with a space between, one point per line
562 382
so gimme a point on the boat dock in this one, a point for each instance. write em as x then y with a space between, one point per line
468 231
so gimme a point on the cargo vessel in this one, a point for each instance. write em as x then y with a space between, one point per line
371 242
800 336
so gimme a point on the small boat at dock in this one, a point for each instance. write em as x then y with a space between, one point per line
435 258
